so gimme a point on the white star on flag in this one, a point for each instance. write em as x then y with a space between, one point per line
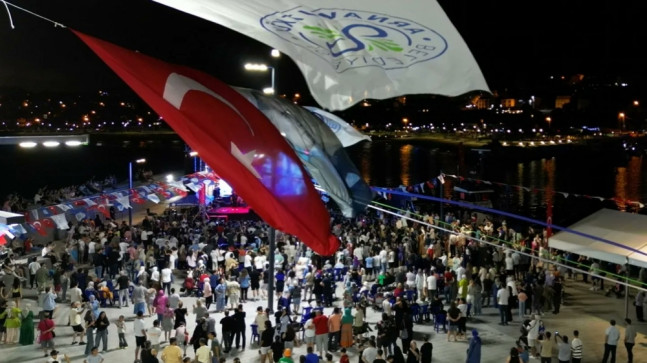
245 159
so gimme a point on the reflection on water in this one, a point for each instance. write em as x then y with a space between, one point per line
628 183
405 163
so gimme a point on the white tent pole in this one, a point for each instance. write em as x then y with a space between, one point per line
626 284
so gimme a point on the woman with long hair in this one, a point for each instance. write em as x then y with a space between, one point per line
16 291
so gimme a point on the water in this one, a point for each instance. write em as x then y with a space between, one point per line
381 163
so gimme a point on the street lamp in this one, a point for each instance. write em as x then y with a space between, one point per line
255 67
130 187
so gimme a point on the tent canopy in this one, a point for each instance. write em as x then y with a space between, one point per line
623 228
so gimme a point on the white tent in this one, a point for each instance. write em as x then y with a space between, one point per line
623 228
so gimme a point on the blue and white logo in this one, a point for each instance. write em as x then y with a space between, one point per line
352 38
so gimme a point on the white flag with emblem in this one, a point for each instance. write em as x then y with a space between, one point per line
352 50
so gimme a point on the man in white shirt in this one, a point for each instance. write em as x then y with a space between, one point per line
153 334
33 266
140 333
369 354
432 285
76 295
611 337
502 296
166 274
576 348
92 246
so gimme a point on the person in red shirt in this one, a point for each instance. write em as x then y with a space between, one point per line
320 322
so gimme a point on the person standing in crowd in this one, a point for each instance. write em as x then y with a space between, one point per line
89 330
346 340
76 322
426 350
102 324
27 326
611 337
124 283
46 328
334 329
630 340
139 329
474 348
94 356
172 353
228 328
576 348
267 338
240 328
154 334
121 332
546 354
203 353
320 322
563 348
139 299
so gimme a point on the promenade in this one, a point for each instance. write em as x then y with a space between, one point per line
584 310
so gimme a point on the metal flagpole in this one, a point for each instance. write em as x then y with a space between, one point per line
270 270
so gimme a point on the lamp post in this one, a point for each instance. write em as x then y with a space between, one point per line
130 187
255 67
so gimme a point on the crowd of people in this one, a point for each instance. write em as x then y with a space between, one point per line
410 272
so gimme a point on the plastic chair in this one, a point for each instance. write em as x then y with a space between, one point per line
424 313
415 312
255 335
411 295
440 320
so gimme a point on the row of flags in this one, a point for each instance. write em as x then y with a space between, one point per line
43 219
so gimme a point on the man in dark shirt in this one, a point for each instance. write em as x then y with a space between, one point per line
239 317
426 351
267 338
123 282
228 328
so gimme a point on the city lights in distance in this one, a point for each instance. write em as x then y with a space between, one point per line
73 143
51 143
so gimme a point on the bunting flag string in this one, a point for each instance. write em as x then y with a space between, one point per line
430 185
43 219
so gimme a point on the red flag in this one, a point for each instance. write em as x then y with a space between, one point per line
48 222
40 229
101 208
233 137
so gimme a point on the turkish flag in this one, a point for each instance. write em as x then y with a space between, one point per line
48 222
230 135
101 208
40 229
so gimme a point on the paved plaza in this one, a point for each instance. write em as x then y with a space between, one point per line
584 310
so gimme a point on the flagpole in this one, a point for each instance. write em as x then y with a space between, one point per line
130 187
270 270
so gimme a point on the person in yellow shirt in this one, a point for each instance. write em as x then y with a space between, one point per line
203 354
172 353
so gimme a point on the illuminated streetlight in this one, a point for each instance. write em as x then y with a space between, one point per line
254 67
27 144
275 53
51 143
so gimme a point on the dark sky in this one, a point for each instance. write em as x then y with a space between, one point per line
514 42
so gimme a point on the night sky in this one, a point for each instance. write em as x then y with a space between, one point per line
515 43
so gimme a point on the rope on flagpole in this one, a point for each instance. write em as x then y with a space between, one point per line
7 4
9 14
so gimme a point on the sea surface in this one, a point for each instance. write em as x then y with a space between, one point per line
586 172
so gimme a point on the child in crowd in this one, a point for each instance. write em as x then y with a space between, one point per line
121 331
